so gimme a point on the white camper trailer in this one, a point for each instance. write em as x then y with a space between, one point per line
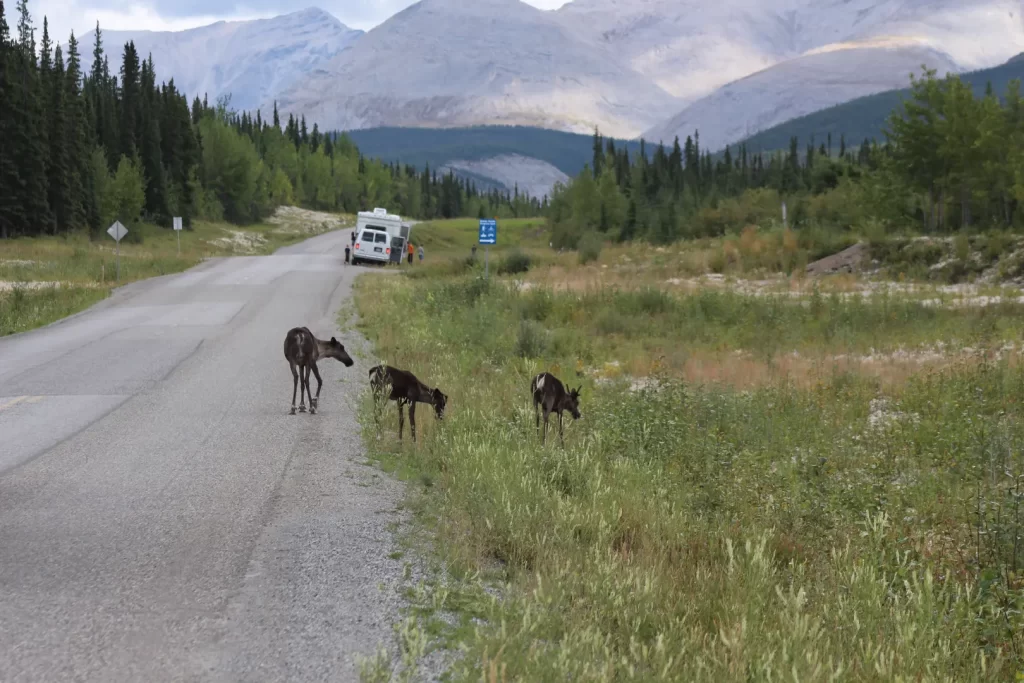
378 234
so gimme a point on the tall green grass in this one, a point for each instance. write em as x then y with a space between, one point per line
699 533
22 309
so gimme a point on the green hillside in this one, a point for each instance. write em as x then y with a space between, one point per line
437 146
866 117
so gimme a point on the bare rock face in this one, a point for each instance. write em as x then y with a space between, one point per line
794 88
453 63
850 260
533 177
839 50
248 60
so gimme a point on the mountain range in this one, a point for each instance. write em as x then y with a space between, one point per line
651 68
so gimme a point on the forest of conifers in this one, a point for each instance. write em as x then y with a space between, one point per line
952 161
81 149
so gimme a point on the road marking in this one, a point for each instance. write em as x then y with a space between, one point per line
20 399
12 402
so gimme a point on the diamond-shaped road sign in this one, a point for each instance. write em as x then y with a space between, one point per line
117 231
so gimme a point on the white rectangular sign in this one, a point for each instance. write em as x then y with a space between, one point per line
177 222
117 231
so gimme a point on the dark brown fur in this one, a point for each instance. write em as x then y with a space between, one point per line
548 392
302 351
404 388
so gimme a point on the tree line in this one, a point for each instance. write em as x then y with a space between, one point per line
83 148
950 161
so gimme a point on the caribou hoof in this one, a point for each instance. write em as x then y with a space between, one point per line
302 409
292 411
312 411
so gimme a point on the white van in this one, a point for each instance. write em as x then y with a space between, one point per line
374 233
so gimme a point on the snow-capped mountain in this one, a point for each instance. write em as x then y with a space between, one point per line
250 60
457 63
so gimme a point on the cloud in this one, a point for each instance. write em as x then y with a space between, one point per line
81 16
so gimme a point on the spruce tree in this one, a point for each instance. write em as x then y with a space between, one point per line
11 216
58 170
149 145
79 208
131 106
28 138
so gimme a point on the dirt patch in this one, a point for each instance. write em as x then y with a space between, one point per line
241 241
850 260
294 220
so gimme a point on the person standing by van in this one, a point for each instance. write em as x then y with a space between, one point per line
410 253
421 253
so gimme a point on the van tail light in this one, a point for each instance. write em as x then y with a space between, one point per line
389 250
357 245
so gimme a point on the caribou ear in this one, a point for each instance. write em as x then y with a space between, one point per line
333 340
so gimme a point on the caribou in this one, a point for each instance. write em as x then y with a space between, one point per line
302 351
548 392
404 388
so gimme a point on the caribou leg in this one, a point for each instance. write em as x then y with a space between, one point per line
544 436
314 403
401 419
304 382
412 419
295 385
560 437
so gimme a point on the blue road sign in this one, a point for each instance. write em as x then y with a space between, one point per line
488 231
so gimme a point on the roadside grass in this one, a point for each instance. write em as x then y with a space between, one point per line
837 528
24 309
59 276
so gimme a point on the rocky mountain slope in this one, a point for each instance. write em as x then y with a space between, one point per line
875 46
248 60
455 63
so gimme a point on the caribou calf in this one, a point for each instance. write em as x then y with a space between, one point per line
303 350
549 393
405 388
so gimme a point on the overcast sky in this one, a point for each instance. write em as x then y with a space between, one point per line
173 15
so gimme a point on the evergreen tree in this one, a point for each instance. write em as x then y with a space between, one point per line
28 133
59 165
81 211
11 217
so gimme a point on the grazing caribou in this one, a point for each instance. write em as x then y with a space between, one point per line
303 350
550 393
406 388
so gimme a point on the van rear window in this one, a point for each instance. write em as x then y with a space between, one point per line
380 237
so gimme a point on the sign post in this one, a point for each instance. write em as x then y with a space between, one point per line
117 231
488 236
784 214
177 229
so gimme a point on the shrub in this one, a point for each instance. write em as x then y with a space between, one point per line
515 262
531 341
590 247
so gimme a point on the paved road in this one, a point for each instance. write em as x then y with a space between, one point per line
162 517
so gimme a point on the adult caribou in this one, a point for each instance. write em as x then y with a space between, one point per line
303 350
403 387
549 393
